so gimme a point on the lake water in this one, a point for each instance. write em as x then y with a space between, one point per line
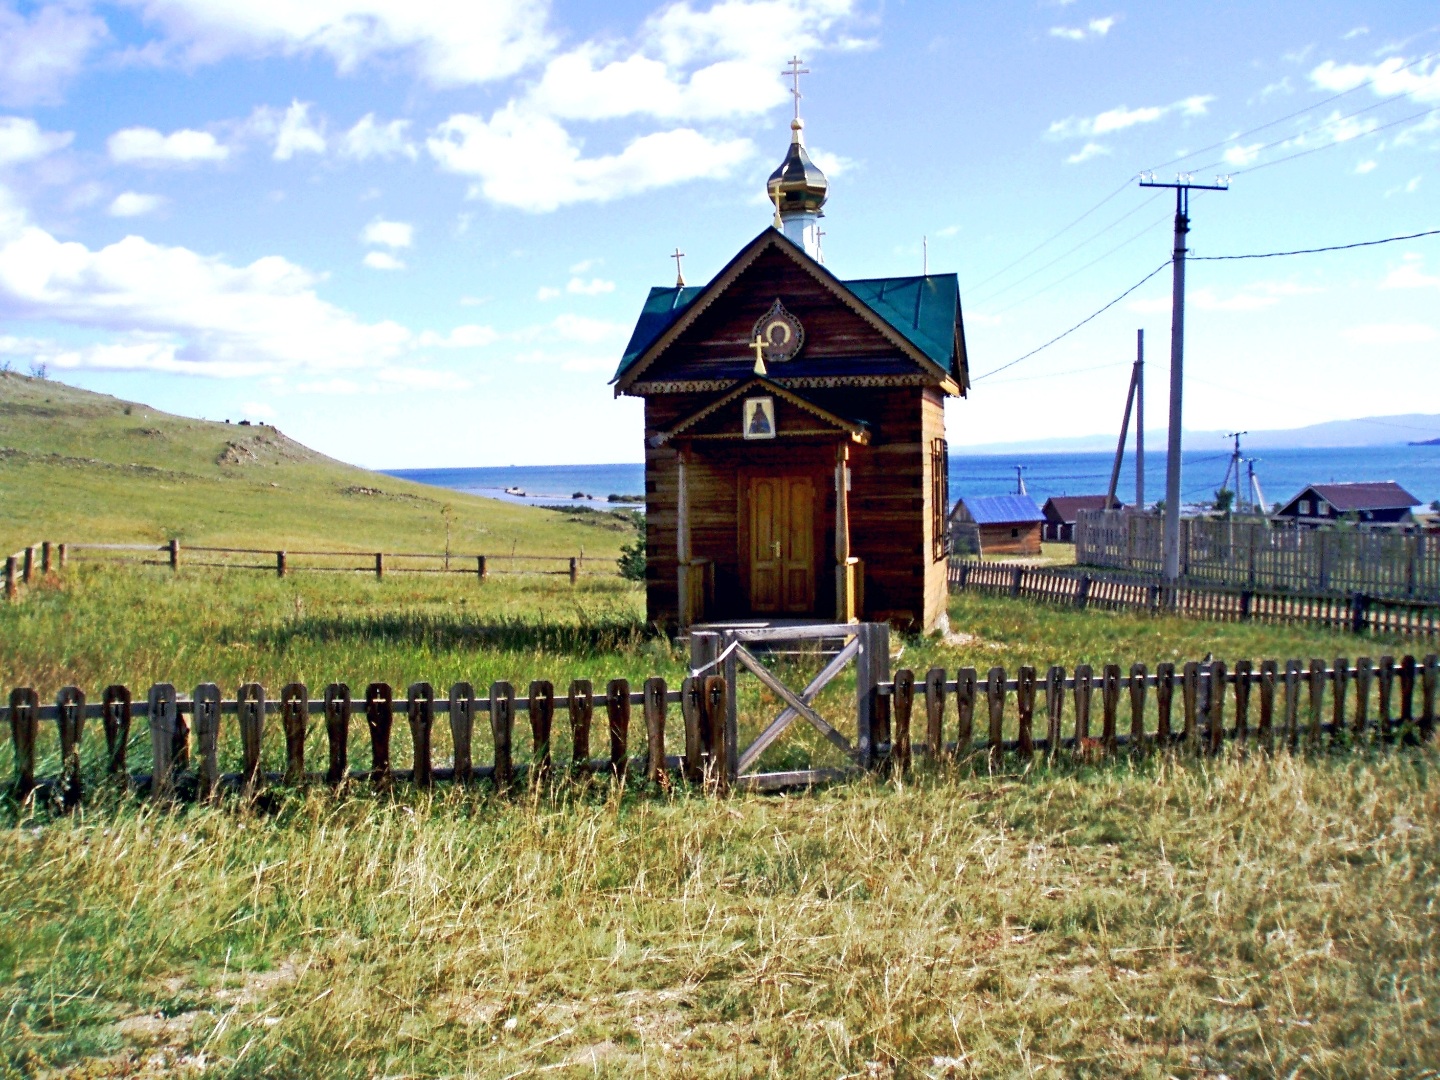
1282 473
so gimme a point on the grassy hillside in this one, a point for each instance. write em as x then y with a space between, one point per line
79 466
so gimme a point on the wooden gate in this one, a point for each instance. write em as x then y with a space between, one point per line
733 649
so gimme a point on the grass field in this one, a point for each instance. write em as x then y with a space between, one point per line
77 466
1237 916
1240 917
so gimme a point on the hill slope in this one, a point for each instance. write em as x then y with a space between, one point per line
78 466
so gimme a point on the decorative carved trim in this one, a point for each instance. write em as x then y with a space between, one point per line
771 238
858 432
827 382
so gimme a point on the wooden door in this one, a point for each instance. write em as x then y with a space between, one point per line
782 545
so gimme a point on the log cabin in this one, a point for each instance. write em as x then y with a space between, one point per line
795 453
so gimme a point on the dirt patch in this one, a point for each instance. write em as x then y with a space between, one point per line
264 446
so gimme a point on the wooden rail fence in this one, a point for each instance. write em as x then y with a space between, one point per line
1253 554
1290 710
50 557
1083 587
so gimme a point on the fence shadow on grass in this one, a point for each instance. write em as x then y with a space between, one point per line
587 637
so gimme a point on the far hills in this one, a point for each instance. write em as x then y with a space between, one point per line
79 466
1396 430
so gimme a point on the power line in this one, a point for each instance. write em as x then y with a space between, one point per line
1087 266
1061 258
1290 116
1057 235
1316 251
1329 145
1061 374
1077 326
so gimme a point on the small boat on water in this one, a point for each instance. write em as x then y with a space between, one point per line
515 491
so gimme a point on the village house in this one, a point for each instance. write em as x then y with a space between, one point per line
1373 504
1006 524
1060 514
795 454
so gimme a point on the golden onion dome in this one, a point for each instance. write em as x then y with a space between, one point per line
798 182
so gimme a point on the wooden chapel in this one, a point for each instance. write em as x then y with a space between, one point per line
795 454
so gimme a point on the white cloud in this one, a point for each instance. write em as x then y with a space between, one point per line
1410 274
296 134
259 410
1356 32
1093 29
382 260
469 336
130 204
546 292
1122 117
447 44
391 234
1088 151
417 378
593 287
948 231
1391 334
830 164
1243 155
148 147
21 140
172 309
584 265
40 53
1363 167
371 139
1391 76
328 387
529 161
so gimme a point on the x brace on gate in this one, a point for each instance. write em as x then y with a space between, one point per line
867 645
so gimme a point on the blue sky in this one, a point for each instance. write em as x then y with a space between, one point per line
416 233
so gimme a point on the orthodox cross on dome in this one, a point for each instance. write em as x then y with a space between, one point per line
679 274
794 73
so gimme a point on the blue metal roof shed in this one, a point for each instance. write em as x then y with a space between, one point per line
998 510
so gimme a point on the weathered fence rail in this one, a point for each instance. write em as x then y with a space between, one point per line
1083 587
1198 707
1258 555
51 557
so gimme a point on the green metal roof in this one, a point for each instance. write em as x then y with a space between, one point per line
924 310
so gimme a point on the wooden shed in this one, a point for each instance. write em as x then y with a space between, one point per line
1061 510
1376 503
1008 524
795 455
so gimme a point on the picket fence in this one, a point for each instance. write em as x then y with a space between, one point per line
1083 587
182 767
1251 554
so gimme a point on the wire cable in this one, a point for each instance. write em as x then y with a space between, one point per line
1290 116
1314 251
1081 269
1338 142
1061 258
1123 187
1077 326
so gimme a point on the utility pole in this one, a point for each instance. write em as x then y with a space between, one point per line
1183 186
1110 501
1020 480
1235 462
1139 421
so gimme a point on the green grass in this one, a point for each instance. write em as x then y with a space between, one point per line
1239 916
82 467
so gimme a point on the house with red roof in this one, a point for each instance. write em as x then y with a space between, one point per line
1371 503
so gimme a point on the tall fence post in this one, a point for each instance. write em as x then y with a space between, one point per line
1164 704
279 564
1138 674
337 731
574 571
1429 685
250 704
502 727
935 712
206 705
45 557
617 712
581 707
164 715
115 717
12 577
379 566
716 712
174 550
29 564
1054 709
379 717
420 711
70 720
1025 712
462 730
654 705
995 700
902 702
542 720
24 726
